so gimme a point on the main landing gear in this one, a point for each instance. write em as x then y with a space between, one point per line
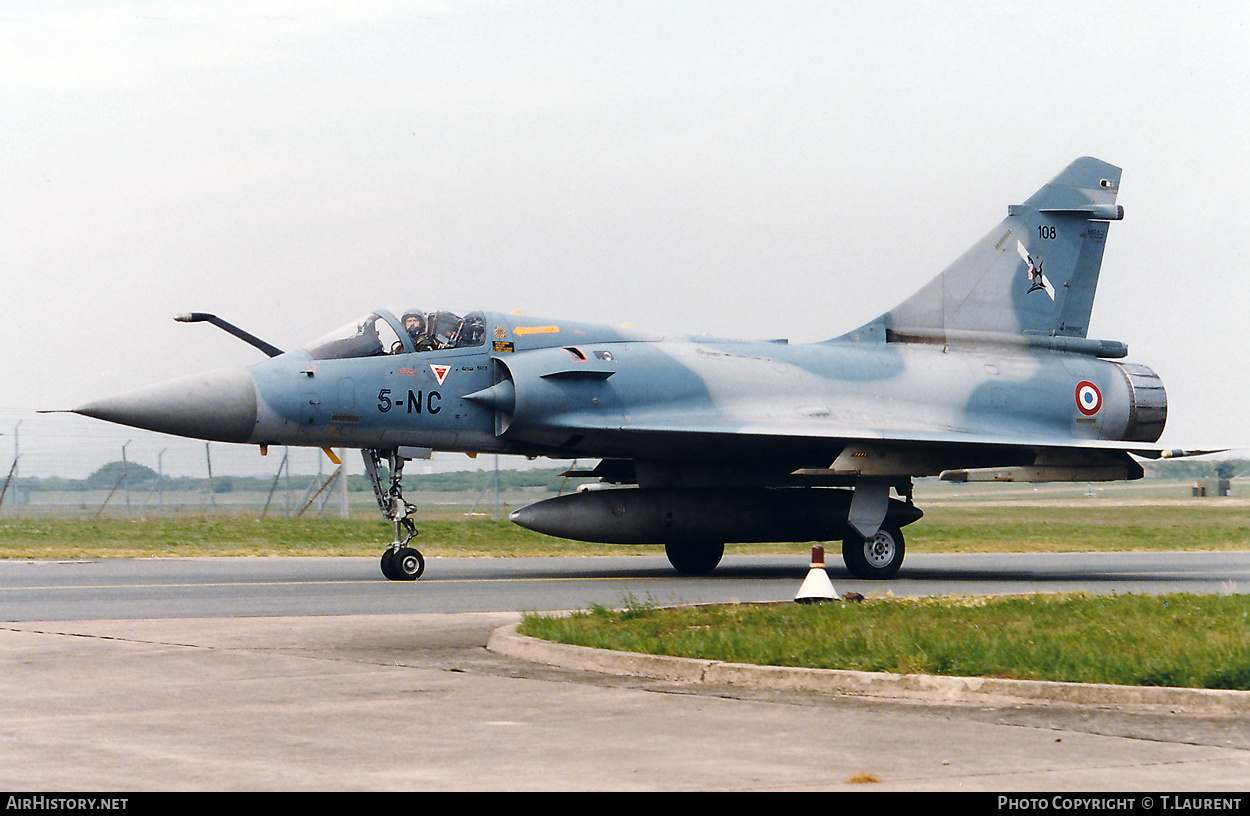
695 557
875 558
400 562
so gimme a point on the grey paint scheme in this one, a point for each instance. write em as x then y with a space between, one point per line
986 372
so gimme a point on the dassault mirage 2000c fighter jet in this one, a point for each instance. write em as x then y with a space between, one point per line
986 373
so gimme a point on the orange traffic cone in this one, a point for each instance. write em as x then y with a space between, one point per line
816 586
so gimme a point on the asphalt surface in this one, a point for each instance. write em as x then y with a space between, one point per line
226 587
262 674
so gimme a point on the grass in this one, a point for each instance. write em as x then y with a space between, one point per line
1081 527
245 536
946 528
1199 641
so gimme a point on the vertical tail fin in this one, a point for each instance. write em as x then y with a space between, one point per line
1034 274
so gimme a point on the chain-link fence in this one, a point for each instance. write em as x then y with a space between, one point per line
64 464
60 464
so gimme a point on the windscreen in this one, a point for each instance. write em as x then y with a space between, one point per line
376 334
370 336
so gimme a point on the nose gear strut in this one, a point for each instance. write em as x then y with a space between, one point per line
400 562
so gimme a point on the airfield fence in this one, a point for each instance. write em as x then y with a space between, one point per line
322 495
67 466
138 474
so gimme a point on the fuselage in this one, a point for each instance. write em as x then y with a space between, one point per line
540 387
552 388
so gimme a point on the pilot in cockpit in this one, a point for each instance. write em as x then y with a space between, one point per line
417 326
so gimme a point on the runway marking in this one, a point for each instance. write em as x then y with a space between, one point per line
378 582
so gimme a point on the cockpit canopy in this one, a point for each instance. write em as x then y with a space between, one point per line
379 333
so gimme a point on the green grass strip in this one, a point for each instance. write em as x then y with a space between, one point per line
944 529
1184 640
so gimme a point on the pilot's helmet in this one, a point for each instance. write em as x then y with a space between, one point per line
418 321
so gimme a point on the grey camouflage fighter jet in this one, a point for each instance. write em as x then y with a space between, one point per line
985 374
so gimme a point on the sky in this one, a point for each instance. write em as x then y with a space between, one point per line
750 169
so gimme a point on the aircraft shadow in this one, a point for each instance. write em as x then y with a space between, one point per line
966 575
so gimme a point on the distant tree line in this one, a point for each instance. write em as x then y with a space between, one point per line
551 479
143 477
1183 469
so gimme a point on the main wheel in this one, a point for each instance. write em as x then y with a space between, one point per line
695 558
877 557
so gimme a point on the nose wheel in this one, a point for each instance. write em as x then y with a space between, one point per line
400 562
403 564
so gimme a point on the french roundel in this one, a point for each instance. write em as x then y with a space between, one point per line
1088 398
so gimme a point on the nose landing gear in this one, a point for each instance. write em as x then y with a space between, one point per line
400 562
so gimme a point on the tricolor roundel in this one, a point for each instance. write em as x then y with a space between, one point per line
1088 398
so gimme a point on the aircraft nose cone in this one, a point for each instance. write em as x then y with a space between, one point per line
219 406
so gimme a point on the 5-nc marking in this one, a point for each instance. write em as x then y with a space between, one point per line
432 402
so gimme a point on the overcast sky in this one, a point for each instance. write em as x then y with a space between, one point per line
757 169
